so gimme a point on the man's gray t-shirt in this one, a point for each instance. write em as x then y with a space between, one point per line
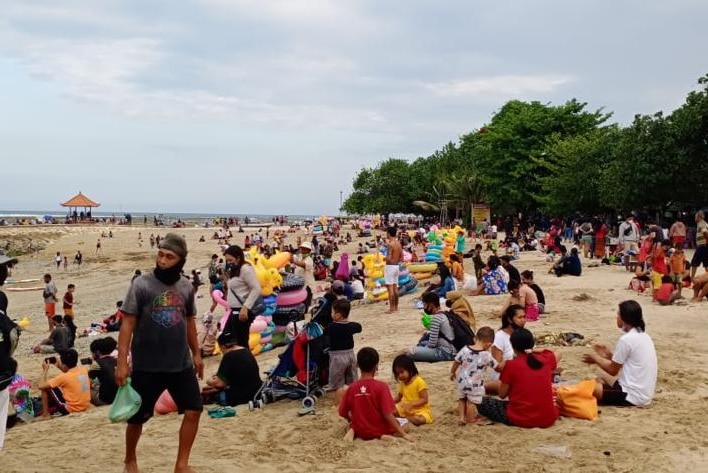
160 337
59 338
50 289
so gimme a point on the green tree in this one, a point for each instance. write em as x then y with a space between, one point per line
507 153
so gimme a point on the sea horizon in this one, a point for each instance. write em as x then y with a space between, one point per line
138 215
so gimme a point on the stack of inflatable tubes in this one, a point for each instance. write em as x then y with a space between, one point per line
434 253
290 306
403 278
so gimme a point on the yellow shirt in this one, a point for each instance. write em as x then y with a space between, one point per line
75 387
411 393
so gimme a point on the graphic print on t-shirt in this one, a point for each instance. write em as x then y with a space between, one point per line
168 309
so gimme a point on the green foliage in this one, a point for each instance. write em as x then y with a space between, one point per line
558 159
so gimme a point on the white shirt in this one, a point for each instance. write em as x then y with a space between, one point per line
502 341
308 271
635 352
357 287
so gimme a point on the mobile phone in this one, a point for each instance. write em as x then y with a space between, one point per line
86 361
52 360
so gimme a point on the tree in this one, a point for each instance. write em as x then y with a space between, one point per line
507 154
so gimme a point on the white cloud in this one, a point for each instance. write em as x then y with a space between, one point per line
500 86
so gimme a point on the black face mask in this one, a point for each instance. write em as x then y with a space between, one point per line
171 275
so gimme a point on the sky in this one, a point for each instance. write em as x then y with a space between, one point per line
272 107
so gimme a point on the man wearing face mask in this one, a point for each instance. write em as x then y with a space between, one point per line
158 327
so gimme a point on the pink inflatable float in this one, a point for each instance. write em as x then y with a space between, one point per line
292 297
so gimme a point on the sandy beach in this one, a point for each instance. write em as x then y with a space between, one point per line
667 436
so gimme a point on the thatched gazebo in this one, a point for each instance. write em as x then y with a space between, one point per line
80 201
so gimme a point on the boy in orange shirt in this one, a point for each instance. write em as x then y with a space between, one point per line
677 267
67 392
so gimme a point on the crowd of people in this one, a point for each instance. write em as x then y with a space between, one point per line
500 375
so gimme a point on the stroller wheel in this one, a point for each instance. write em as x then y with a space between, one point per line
262 401
260 404
251 406
309 402
319 392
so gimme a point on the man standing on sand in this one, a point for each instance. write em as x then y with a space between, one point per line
677 233
50 299
159 330
394 256
700 257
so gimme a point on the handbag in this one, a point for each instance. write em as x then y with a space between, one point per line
258 307
577 400
126 403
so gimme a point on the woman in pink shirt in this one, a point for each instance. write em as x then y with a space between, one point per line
524 296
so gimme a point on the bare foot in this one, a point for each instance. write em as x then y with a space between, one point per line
131 467
45 417
462 422
349 436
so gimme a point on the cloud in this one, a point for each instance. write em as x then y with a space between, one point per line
500 86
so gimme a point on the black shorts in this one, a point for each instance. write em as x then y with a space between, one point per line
700 257
614 396
182 386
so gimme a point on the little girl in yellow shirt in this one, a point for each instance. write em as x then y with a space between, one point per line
412 400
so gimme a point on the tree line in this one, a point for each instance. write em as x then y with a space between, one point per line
552 159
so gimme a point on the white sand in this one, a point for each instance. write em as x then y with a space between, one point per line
668 436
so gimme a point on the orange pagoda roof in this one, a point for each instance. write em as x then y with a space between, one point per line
80 200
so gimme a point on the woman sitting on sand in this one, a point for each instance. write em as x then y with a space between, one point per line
494 281
513 318
634 360
526 380
527 278
524 296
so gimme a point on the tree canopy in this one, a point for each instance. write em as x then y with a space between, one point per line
556 159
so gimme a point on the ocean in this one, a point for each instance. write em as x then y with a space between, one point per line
138 216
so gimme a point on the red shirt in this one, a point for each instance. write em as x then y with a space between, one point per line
658 261
530 394
664 292
68 302
365 403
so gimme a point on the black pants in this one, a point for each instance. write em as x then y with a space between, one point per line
238 328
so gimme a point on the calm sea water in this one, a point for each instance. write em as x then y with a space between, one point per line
138 216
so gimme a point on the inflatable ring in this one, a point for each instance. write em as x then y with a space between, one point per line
422 276
292 297
292 282
422 267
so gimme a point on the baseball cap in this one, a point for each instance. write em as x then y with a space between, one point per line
4 259
307 245
338 286
226 338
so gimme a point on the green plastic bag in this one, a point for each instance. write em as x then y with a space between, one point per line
126 404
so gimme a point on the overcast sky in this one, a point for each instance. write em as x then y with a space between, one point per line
256 106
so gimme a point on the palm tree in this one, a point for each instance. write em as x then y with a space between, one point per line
464 191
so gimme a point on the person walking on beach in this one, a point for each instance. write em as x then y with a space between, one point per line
394 256
58 260
159 331
98 246
78 259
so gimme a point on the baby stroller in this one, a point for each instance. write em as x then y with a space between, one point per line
296 375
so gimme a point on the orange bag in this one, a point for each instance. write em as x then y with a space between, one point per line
576 400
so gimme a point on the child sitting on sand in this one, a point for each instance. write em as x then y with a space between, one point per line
412 401
667 292
367 403
473 361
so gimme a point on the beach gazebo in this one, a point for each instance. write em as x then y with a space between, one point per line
80 201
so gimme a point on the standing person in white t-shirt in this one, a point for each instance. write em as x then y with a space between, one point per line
304 266
634 360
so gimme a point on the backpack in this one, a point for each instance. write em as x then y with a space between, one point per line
463 332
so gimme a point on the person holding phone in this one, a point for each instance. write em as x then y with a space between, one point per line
159 330
67 392
103 383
